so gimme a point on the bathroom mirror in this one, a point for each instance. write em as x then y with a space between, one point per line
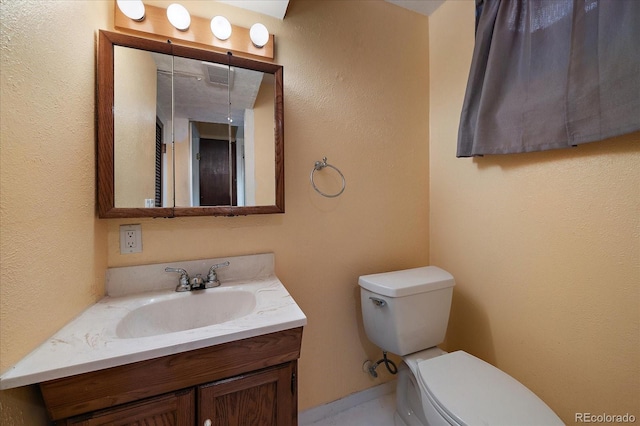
186 132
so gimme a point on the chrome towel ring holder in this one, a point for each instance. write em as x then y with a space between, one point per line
319 165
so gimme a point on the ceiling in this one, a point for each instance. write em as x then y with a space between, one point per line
275 8
278 8
424 7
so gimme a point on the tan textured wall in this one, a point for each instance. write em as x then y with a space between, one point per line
360 97
263 113
545 248
52 247
182 153
351 94
134 114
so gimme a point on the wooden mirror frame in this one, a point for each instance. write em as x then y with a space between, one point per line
105 156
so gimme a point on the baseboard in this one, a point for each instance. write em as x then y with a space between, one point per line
320 412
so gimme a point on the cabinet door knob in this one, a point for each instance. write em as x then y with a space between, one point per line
207 422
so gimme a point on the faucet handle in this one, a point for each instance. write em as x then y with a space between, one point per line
218 265
184 278
212 277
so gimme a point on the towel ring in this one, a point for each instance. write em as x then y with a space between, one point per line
321 165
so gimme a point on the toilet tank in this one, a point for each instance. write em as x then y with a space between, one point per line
406 311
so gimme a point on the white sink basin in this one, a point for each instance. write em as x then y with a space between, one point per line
143 318
186 311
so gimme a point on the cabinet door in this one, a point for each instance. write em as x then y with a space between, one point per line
264 398
175 409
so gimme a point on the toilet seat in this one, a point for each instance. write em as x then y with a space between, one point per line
468 391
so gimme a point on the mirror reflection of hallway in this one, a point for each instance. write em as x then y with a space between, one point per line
217 173
167 178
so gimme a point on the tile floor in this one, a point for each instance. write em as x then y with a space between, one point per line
376 412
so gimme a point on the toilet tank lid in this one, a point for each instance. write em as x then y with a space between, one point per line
471 391
407 282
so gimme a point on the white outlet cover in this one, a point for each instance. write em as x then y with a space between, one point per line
130 239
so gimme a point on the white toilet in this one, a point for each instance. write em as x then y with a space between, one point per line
406 313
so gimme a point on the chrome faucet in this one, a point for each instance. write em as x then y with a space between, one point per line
197 283
212 277
183 284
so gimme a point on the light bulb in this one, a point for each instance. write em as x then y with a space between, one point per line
179 16
220 27
132 9
259 35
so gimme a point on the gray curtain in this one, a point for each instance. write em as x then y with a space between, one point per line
549 74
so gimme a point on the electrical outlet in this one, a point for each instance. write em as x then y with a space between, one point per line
130 239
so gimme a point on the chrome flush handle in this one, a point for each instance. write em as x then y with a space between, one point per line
378 302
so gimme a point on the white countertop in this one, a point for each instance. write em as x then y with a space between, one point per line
89 342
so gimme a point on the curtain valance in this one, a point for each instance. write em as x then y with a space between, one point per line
550 74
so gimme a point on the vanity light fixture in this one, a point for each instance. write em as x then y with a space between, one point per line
179 16
221 27
259 35
132 9
175 22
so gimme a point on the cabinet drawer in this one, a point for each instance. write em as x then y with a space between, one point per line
175 409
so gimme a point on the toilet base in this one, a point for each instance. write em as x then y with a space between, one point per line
409 410
409 404
397 420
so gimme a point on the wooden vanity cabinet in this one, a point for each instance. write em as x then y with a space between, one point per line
247 382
